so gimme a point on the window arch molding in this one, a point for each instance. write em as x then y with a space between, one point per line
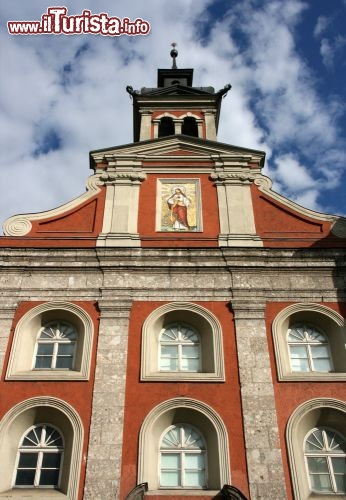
20 365
46 410
331 323
209 329
200 416
323 412
178 123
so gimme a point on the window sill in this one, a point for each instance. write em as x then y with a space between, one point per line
313 376
27 493
182 377
48 375
181 493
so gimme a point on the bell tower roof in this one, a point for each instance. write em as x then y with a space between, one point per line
174 76
175 98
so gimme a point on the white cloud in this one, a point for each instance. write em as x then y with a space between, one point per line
273 102
321 25
292 174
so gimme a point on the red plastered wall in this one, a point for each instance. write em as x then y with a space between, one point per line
289 395
142 397
76 393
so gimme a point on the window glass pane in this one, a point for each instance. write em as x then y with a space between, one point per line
298 351
195 478
51 460
49 477
170 478
170 461
66 349
340 483
322 365
169 351
45 349
339 465
33 437
27 460
190 351
317 464
64 362
320 482
300 365
319 351
194 461
43 362
191 365
314 441
25 477
169 364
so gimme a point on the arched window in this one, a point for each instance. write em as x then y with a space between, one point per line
166 126
190 126
182 458
183 443
179 348
39 457
182 341
55 346
325 455
309 342
52 341
308 349
316 446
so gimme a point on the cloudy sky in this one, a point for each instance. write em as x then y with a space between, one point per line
62 96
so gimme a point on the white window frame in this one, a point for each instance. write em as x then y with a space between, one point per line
180 343
39 450
24 345
314 413
328 455
182 452
308 344
57 341
331 323
210 332
196 414
13 426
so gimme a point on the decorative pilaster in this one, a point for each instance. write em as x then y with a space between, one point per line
106 430
210 125
178 125
120 218
145 131
7 310
237 222
264 461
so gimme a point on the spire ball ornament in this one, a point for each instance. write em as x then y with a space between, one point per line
174 55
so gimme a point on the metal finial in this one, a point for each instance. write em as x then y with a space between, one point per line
174 55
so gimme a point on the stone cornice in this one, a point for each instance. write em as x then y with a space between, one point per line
200 150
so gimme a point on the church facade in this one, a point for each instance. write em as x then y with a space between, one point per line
176 331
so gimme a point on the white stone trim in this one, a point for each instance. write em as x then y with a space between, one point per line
17 419
302 419
338 223
209 329
333 325
24 341
197 413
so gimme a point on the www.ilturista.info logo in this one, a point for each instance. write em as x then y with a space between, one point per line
57 22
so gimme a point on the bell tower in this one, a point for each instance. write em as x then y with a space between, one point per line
175 107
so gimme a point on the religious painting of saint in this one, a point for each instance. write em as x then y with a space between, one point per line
178 207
